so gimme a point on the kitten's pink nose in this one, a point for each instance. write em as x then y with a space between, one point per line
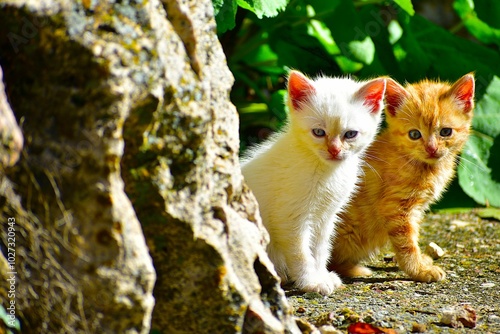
431 149
334 150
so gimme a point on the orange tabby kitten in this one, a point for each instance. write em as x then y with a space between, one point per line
408 167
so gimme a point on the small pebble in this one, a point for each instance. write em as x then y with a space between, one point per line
418 328
306 327
494 318
329 329
459 223
487 285
383 324
434 251
301 310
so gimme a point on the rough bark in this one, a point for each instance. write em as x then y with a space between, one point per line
124 107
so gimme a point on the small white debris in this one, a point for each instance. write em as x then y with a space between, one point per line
493 318
329 329
434 251
487 285
459 223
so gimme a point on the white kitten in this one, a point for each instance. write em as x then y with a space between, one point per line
304 176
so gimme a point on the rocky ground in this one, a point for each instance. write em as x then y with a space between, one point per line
467 301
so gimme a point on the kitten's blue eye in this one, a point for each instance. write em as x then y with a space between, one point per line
318 132
446 132
414 134
350 134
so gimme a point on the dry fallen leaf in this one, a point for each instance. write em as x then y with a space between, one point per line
364 328
459 315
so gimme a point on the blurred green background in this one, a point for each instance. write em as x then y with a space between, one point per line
407 40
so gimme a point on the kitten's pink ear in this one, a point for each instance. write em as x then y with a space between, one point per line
299 88
372 94
395 94
463 92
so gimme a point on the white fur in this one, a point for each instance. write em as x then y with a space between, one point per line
300 192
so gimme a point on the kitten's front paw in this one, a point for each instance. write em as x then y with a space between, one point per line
323 283
430 274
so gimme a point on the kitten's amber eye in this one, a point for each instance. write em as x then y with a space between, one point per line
319 132
351 134
414 134
446 132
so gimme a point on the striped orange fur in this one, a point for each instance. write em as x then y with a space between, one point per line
403 176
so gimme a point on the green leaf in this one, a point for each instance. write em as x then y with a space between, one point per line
413 59
488 213
494 160
406 6
474 175
253 108
363 50
488 11
395 31
225 12
260 57
263 8
450 56
463 7
277 106
486 116
296 49
320 31
474 172
323 7
374 19
349 33
485 213
477 27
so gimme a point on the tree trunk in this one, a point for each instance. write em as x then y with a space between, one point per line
125 113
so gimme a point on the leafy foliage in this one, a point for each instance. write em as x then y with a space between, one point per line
225 10
477 27
476 170
367 38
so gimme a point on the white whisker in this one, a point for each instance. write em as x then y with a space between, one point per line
459 160
374 170
409 161
374 157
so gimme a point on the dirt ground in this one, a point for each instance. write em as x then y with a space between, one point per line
467 301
